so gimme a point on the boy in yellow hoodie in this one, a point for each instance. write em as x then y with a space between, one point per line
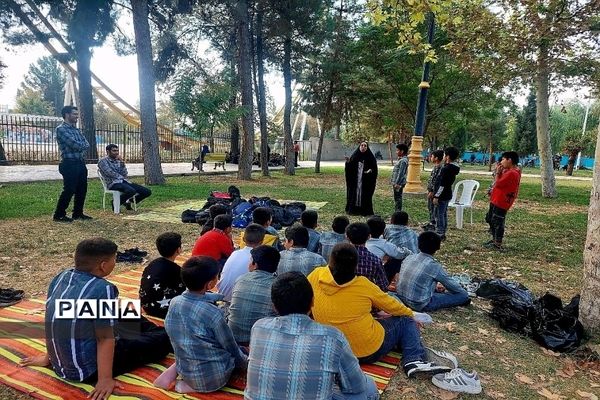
345 301
264 216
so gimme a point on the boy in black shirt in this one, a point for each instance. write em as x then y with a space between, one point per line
443 191
161 280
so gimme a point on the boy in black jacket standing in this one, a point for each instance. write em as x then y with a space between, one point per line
443 190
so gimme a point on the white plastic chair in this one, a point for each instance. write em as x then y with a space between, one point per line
467 189
116 197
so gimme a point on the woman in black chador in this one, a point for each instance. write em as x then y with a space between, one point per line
361 177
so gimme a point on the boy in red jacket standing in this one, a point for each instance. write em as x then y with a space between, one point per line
502 196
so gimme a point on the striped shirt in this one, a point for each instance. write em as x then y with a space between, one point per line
299 259
71 143
327 241
205 351
71 343
292 357
402 236
250 301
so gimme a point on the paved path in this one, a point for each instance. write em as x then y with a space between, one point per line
33 173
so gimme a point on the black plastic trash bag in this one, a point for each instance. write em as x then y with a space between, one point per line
557 328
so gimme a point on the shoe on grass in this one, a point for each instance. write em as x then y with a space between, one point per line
63 219
82 217
442 358
128 205
458 380
415 368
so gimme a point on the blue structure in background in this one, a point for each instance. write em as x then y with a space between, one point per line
483 158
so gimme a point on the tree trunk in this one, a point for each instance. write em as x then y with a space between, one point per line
2 155
571 162
589 308
153 173
290 161
262 101
86 100
337 130
542 125
235 126
245 71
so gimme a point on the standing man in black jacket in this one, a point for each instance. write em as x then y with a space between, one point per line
72 145
443 192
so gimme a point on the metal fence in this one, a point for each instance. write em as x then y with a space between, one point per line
31 139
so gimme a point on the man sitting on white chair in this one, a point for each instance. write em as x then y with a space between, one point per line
113 171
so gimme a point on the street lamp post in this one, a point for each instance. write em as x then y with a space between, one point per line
415 157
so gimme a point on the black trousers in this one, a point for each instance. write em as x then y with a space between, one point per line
496 218
75 176
131 189
140 342
398 198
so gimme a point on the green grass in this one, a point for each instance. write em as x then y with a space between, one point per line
544 238
583 173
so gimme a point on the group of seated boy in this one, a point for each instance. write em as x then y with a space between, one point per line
298 316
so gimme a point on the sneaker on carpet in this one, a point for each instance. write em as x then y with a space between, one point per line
458 380
442 358
415 368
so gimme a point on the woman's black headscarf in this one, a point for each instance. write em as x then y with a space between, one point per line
368 182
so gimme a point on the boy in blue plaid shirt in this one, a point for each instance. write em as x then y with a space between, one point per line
205 351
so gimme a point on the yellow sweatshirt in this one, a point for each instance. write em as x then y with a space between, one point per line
269 240
348 308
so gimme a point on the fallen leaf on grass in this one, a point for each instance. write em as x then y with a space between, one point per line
495 395
586 395
477 353
463 348
594 385
450 326
550 352
524 379
500 340
483 332
568 371
444 394
549 395
408 390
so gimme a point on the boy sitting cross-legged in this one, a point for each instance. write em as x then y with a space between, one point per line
263 216
292 357
296 256
95 350
237 264
330 239
419 277
161 279
205 351
369 265
390 254
398 232
310 219
251 298
345 301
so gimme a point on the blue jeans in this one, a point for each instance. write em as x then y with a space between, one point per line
446 300
370 393
400 333
442 217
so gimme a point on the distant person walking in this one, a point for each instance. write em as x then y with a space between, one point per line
296 151
361 178
72 145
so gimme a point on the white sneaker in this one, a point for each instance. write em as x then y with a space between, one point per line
421 367
441 358
458 380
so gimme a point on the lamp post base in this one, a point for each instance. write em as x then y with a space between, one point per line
415 159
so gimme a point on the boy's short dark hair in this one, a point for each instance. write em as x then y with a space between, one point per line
340 223
452 152
254 234
291 293
196 272
376 226
168 243
439 154
402 147
342 262
309 219
67 110
111 146
266 258
429 242
262 215
217 209
223 221
512 156
298 234
91 252
358 233
399 218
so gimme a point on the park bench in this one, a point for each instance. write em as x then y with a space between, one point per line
217 158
